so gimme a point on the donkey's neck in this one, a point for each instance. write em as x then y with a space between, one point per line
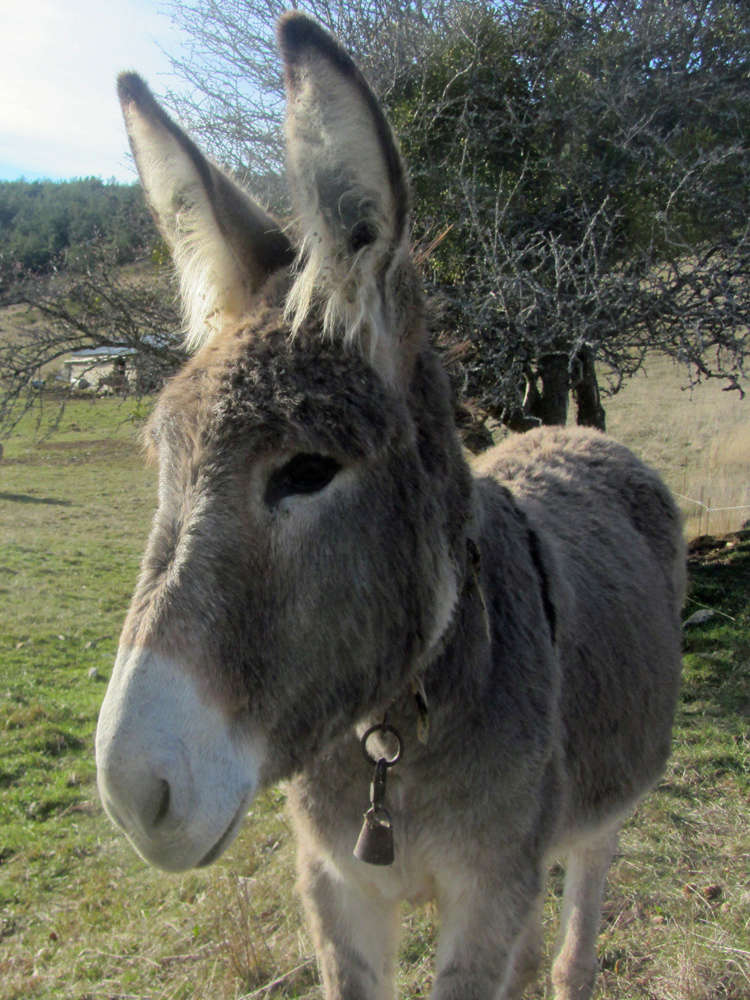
456 664
483 645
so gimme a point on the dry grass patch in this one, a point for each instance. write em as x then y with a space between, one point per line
699 439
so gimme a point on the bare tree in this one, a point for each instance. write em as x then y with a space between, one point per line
88 302
593 159
580 169
234 94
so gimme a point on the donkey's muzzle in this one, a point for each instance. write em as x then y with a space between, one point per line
170 770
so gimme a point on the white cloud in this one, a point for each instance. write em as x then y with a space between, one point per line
59 115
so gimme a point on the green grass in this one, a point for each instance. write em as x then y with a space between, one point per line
82 918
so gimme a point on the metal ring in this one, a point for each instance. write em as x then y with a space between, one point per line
382 727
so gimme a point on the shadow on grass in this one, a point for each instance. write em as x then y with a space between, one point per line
719 572
716 676
27 498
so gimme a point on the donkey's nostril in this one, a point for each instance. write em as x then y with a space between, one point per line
162 810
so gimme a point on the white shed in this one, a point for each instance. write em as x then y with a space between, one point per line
91 368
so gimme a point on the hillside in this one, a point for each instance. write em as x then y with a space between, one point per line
40 220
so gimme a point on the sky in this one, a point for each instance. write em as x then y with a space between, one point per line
59 114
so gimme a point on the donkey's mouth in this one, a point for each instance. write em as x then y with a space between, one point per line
229 834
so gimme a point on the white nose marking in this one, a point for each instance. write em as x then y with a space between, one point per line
171 771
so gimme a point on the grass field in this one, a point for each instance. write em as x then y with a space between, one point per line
82 918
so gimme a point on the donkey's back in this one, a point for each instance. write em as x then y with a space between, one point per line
606 542
586 620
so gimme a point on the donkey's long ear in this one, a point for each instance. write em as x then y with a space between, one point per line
352 201
224 246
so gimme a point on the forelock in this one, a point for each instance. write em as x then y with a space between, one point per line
259 384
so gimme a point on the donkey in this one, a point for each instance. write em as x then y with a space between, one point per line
328 583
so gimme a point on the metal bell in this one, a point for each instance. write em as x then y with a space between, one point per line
375 842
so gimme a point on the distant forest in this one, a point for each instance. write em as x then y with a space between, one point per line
41 220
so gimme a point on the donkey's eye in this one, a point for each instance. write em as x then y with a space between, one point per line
362 235
305 473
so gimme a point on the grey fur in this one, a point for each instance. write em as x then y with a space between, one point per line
551 668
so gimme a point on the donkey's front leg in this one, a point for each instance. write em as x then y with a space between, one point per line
355 933
488 937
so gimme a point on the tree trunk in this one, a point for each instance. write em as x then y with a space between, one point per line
522 418
590 412
551 404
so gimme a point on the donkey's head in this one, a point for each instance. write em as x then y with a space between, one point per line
308 548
